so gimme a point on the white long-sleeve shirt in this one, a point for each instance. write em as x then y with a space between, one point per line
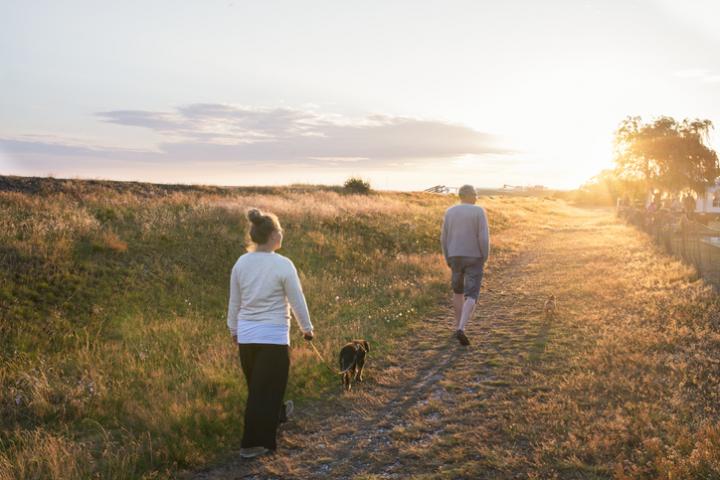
264 286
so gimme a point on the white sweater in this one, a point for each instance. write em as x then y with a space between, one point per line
263 287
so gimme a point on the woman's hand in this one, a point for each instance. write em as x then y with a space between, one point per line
308 336
234 338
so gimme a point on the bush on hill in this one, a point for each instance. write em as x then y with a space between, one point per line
357 185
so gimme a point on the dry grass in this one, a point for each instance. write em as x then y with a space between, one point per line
622 384
116 362
115 358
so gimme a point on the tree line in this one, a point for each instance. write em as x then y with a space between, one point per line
664 155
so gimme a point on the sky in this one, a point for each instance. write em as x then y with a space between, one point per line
406 94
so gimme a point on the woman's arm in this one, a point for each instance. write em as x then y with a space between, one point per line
296 298
233 303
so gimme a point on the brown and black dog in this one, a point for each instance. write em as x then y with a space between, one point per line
352 361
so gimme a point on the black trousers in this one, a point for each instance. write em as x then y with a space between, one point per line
266 368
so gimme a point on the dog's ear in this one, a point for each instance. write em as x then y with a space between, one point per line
367 346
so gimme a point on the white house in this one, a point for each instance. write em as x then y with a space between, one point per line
710 202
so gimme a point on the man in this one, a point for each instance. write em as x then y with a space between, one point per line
465 242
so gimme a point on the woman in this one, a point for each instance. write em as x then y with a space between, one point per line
262 284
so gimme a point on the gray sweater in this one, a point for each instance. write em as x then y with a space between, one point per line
465 232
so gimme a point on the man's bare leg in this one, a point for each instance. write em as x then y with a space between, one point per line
468 309
458 301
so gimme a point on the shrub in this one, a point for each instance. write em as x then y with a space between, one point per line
357 185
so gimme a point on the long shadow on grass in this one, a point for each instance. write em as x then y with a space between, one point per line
540 342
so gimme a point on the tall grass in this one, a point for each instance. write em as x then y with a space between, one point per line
115 358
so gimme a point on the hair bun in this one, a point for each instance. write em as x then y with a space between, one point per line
255 215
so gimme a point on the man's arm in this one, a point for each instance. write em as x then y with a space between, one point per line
484 235
443 239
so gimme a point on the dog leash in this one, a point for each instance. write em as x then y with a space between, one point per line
322 360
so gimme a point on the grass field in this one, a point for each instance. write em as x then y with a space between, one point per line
623 383
116 361
115 356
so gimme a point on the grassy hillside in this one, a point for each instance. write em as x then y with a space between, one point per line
115 358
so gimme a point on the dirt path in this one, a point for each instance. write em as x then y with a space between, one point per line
435 409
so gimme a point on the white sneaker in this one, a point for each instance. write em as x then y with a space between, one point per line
289 409
253 452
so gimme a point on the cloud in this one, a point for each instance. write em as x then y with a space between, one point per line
220 133
54 145
700 74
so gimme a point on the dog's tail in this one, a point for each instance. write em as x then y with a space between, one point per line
343 368
327 365
343 372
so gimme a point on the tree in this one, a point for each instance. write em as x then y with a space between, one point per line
666 153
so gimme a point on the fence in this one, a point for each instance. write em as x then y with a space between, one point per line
691 241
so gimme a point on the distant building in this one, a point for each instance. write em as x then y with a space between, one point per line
710 202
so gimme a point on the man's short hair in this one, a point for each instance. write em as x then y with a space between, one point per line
467 191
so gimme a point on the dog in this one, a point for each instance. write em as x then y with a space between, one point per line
352 361
550 307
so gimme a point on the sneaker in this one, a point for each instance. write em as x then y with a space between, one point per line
287 410
460 335
253 452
